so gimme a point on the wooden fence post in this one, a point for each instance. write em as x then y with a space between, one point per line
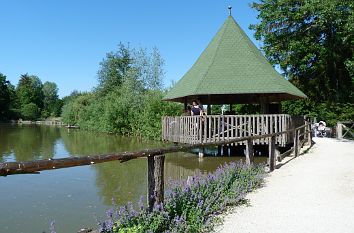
272 154
296 143
339 130
155 180
249 152
309 135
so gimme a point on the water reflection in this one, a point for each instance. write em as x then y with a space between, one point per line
87 143
23 143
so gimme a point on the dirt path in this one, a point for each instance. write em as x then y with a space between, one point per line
312 193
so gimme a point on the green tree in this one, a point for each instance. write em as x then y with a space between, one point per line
113 69
51 103
313 43
29 90
5 97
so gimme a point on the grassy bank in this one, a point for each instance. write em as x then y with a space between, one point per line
190 206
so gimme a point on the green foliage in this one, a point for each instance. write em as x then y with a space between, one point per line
113 69
247 109
30 111
5 97
30 100
29 90
330 113
128 99
51 103
313 43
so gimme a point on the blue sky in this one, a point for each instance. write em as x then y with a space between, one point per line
64 41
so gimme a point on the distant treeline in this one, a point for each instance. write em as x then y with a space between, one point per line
29 100
128 97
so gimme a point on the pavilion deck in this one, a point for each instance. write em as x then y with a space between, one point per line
215 128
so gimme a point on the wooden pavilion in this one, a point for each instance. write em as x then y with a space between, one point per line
231 70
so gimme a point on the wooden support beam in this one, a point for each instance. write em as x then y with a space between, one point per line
296 143
155 180
249 152
272 154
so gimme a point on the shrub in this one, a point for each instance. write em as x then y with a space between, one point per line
190 206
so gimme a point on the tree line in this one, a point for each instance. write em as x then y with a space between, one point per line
29 100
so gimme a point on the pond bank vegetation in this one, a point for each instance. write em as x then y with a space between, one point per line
193 205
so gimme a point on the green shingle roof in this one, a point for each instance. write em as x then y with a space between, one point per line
231 70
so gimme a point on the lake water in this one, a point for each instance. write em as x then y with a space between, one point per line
76 197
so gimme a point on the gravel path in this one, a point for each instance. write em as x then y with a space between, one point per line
312 193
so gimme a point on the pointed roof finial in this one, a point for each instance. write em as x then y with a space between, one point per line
230 7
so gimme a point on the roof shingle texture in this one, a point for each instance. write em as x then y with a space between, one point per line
231 64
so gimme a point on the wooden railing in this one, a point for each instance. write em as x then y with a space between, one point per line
156 158
215 128
345 129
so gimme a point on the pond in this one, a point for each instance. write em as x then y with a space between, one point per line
76 197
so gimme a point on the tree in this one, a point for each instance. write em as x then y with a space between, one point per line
29 90
5 97
113 69
51 103
313 43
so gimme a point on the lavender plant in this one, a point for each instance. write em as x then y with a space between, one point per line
192 205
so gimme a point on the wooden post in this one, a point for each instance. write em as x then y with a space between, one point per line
249 152
155 180
339 130
296 143
309 135
272 154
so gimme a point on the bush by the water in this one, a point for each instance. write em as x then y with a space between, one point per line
128 99
190 206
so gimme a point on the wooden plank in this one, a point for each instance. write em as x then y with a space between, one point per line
259 128
200 129
219 127
276 127
253 125
249 124
233 128
223 128
215 131
286 153
272 154
309 135
249 152
237 125
155 180
209 127
262 128
241 128
205 134
296 143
